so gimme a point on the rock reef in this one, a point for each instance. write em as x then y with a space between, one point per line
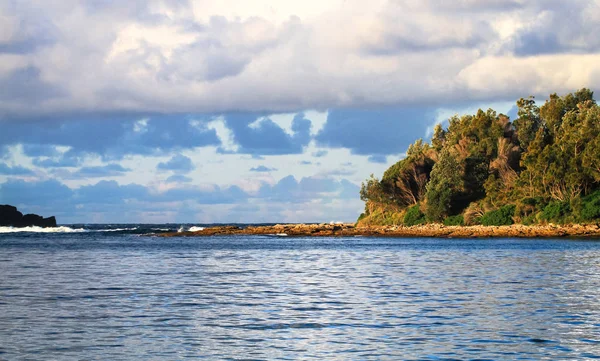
11 217
430 230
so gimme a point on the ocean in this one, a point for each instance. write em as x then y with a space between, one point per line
116 292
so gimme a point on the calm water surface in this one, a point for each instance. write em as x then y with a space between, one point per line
117 295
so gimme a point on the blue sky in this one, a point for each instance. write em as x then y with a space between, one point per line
256 111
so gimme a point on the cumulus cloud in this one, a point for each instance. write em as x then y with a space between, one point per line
89 80
557 27
14 170
108 170
256 135
179 178
290 190
194 57
178 163
113 201
378 131
262 168
109 136
320 153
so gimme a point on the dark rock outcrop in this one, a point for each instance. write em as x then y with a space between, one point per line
11 217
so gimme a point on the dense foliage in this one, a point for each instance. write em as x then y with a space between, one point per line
543 167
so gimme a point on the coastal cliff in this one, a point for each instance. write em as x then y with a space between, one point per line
11 217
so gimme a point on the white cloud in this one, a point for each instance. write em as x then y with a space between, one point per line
224 133
290 56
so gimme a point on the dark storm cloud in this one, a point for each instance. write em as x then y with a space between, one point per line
179 163
268 138
374 132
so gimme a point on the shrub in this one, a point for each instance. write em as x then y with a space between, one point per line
556 212
529 220
414 216
528 206
457 220
473 214
361 217
591 207
381 217
499 217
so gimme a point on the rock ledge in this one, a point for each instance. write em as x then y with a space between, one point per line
430 230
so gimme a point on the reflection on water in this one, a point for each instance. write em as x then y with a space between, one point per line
126 297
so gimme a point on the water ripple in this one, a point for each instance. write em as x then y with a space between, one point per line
103 295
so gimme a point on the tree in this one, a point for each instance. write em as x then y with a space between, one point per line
528 123
372 193
405 181
445 183
438 138
482 162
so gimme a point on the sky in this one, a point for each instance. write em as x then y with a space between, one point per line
206 111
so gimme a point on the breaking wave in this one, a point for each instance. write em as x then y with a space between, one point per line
191 229
35 229
115 229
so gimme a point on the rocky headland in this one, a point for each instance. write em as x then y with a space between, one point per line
430 230
11 217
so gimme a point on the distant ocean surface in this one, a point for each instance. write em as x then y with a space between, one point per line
111 292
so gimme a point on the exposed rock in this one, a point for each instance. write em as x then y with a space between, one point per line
11 217
430 230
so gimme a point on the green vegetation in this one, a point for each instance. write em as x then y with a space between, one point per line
499 217
458 220
544 167
414 216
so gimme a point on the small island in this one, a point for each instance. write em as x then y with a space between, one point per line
485 170
11 217
482 176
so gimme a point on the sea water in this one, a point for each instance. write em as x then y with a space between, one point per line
108 292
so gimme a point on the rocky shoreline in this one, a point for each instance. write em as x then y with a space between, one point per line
430 230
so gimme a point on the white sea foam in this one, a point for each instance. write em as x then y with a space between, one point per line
116 229
35 229
191 229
